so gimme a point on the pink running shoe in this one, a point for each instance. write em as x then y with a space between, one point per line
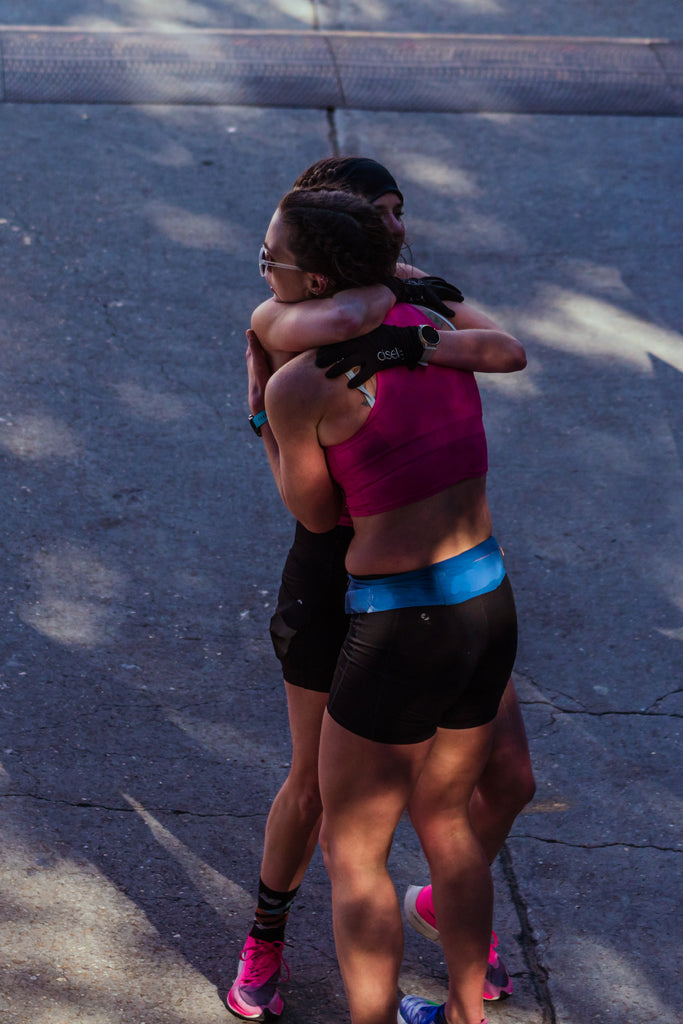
419 911
498 983
254 995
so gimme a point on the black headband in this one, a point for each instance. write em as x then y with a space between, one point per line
365 177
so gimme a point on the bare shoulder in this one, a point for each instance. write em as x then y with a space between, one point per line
297 384
300 371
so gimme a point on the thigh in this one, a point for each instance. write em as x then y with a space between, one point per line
509 732
305 709
450 772
365 787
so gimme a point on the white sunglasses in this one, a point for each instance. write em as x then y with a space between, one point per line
263 263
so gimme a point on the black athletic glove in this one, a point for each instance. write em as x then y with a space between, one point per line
381 349
425 291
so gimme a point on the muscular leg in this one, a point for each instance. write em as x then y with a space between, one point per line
507 782
505 786
461 878
291 835
365 787
294 817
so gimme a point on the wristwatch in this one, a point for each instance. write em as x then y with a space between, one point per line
430 338
257 419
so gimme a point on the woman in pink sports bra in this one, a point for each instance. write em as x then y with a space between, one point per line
433 632
309 623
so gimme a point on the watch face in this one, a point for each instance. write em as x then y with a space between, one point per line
430 335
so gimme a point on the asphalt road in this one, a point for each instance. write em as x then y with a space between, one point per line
143 721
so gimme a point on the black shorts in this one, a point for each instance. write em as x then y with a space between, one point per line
403 673
309 623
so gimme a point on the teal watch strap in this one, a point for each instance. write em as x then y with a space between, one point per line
257 420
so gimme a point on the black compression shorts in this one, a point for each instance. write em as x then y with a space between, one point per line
309 623
403 673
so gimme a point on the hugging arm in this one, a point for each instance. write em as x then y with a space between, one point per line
485 350
259 373
290 436
305 484
290 327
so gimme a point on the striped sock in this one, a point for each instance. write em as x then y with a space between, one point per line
271 914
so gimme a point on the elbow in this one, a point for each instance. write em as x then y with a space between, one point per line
318 518
517 356
348 323
318 523
520 362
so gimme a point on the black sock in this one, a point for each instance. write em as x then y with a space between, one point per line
271 914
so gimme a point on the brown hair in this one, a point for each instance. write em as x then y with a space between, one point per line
359 174
338 234
320 174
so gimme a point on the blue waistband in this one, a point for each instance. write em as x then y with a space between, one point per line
453 581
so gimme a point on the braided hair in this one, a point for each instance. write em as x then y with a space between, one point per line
338 234
359 174
321 173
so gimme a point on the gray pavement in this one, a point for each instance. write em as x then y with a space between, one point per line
143 723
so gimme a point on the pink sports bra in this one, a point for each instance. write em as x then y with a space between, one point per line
423 434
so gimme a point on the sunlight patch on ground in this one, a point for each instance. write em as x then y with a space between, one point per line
157 406
76 950
72 623
601 277
419 985
299 9
152 15
584 325
492 235
223 895
220 738
634 991
380 12
480 6
196 230
173 154
550 806
673 634
75 591
442 177
36 437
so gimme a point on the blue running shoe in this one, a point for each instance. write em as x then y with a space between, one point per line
416 1010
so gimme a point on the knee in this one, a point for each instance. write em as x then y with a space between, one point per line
304 792
521 787
328 847
310 804
341 863
511 788
526 787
